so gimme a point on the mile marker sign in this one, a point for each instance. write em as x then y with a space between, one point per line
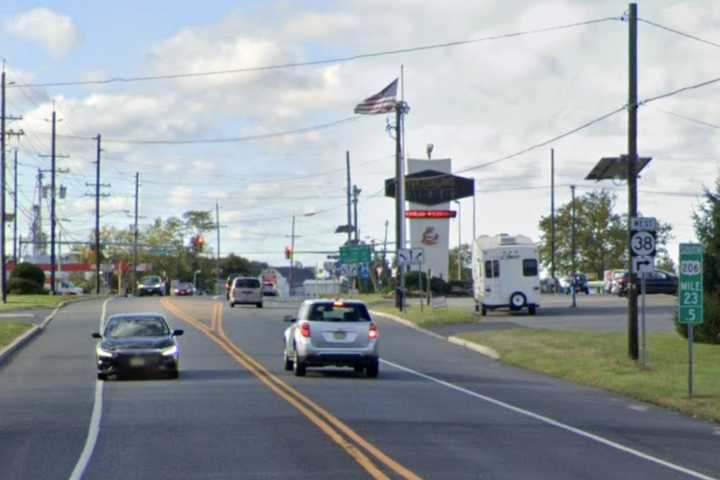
690 295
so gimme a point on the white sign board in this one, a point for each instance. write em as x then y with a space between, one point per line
643 243
644 223
644 264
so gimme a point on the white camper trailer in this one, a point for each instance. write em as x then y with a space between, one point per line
505 273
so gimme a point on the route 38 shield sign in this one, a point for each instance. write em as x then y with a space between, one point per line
643 243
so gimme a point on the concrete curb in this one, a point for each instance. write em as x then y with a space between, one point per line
476 347
24 339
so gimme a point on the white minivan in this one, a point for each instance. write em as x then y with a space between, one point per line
505 273
245 290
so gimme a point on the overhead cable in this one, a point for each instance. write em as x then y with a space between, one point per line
678 32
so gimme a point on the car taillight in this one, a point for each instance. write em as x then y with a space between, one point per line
305 330
373 332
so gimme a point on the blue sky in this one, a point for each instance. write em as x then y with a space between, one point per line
476 103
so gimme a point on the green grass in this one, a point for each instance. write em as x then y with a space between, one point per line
425 317
29 302
600 360
10 331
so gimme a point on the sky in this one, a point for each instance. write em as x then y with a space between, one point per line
477 102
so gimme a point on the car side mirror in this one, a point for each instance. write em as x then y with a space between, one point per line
96 335
290 319
178 332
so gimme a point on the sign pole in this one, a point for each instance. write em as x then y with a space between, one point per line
690 360
643 331
690 297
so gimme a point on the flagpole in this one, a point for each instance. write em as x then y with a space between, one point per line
400 183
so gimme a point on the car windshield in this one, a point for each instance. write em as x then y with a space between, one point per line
247 283
136 326
152 279
338 312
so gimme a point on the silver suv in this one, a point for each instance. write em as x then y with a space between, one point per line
332 332
245 290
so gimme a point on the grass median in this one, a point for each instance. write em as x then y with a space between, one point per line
600 360
34 302
422 317
9 331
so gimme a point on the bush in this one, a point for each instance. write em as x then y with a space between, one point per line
438 286
412 282
709 331
29 271
23 286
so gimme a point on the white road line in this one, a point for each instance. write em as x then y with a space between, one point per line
95 418
555 423
17 315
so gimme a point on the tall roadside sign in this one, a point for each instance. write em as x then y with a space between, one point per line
643 240
690 296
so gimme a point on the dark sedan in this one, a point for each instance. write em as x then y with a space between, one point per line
137 343
184 289
655 282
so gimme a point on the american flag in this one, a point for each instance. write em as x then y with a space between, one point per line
382 102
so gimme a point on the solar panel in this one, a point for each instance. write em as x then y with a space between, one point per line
615 168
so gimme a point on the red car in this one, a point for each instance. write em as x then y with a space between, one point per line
184 289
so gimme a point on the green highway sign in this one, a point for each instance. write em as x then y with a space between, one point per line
690 288
354 254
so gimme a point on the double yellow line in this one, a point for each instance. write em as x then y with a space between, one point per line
357 447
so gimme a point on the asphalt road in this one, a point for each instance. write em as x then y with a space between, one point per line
437 411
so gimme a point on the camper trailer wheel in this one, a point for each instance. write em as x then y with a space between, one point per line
477 307
517 301
531 310
484 311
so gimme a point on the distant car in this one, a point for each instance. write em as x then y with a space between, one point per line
655 282
182 289
581 284
67 288
615 283
246 290
151 285
332 332
228 284
137 343
269 290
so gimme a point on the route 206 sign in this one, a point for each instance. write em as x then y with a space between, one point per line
643 243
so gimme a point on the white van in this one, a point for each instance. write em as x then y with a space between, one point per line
505 273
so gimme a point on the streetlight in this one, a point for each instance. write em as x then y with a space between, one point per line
459 255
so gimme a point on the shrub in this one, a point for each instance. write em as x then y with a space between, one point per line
29 271
412 282
438 286
23 286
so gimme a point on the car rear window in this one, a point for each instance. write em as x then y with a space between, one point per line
338 312
124 327
148 280
247 283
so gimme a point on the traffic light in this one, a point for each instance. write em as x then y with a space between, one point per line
199 243
288 253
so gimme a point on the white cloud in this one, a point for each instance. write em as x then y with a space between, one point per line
55 32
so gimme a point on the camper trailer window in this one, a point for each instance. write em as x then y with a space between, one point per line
492 268
530 268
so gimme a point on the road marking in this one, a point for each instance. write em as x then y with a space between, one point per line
555 423
313 412
17 315
94 430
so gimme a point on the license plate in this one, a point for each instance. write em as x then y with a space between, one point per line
339 335
137 362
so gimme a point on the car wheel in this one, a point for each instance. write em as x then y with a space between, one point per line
358 368
373 368
259 305
102 376
288 363
173 374
299 368
232 305
517 301
532 310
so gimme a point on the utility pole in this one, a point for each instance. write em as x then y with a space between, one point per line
53 218
356 193
459 255
217 227
552 218
632 176
349 193
135 233
387 223
97 217
573 283
15 208
292 255
400 109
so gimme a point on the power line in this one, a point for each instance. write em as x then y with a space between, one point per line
679 90
678 32
344 59
690 119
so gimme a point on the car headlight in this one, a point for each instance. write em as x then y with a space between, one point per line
159 285
101 352
172 350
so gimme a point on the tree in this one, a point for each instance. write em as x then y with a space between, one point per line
600 238
465 261
707 230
